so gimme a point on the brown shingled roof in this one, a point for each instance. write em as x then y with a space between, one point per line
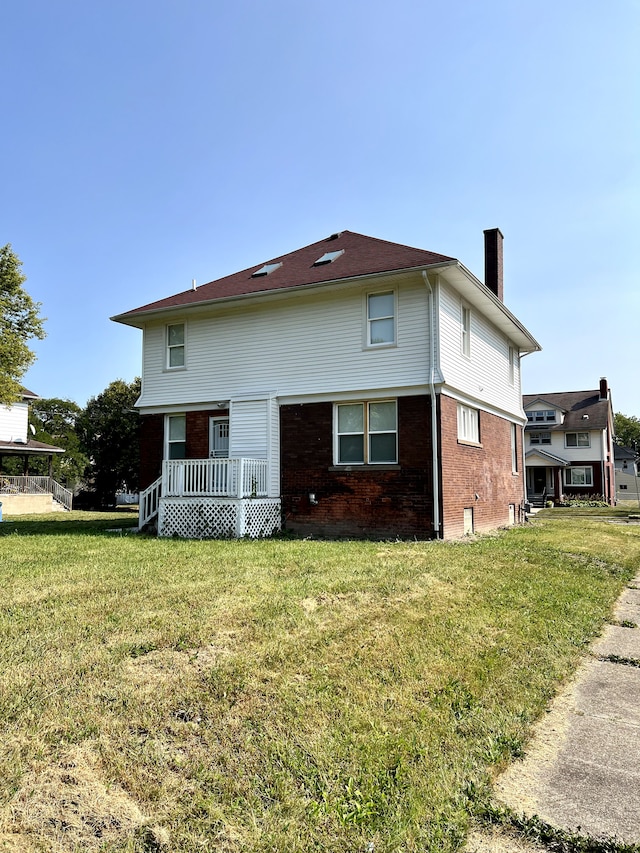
575 404
362 255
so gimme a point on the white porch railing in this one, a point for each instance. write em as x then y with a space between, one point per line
32 485
219 477
230 478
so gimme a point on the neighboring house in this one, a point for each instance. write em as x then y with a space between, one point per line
626 472
569 445
27 493
354 387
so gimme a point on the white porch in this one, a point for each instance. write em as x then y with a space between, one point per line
212 498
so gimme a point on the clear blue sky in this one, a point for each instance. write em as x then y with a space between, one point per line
149 142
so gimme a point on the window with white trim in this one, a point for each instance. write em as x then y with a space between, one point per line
579 475
465 341
514 448
468 424
175 345
540 438
539 416
366 433
577 439
176 436
381 319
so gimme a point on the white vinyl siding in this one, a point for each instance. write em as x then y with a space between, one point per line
254 426
14 424
484 376
299 346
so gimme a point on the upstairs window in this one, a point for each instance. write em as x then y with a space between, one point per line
577 439
175 345
381 319
366 433
468 424
465 342
541 416
540 438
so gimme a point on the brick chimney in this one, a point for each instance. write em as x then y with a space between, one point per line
604 388
493 276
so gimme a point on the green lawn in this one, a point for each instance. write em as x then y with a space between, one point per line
279 695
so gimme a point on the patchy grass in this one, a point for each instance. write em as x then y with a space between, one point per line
279 695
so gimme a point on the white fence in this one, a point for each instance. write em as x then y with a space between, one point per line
229 478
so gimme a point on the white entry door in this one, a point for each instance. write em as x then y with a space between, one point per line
219 438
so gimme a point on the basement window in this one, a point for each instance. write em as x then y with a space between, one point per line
328 258
267 269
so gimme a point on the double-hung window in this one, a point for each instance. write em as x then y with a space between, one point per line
176 436
468 424
175 345
366 433
381 319
577 439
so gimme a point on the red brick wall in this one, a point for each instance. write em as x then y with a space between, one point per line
367 501
151 441
485 471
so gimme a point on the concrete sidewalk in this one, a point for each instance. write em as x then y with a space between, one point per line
581 773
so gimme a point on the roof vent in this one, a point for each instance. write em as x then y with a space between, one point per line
267 269
19 440
328 258
585 417
336 235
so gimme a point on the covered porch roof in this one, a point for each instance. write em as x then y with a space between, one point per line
541 458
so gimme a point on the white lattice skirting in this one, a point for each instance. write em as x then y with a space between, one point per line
218 518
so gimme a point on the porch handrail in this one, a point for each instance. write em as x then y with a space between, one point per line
149 500
36 485
218 477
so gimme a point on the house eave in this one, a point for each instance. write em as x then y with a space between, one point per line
470 287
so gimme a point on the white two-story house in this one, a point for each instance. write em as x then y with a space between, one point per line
569 445
354 387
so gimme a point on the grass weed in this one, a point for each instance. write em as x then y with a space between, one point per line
279 695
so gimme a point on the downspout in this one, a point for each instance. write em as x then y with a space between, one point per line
434 414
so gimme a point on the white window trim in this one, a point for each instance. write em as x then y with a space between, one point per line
465 330
366 433
168 348
545 416
167 441
577 446
514 448
367 322
468 424
586 468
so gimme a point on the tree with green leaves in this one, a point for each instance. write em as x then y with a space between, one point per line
627 430
19 323
54 422
109 432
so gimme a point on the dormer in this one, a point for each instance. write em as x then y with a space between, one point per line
543 413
